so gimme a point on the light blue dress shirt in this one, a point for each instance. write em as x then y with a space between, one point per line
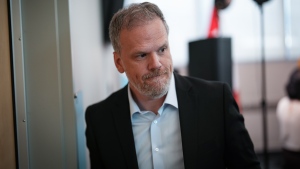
158 137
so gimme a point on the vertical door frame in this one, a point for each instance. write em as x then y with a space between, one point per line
19 85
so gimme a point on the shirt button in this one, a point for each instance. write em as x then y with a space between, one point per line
156 149
155 121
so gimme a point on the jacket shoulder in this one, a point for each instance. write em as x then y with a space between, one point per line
200 85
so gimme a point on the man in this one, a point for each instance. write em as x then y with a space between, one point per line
162 120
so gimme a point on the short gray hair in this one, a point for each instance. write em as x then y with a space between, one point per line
134 15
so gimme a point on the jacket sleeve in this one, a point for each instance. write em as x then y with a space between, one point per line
95 159
239 149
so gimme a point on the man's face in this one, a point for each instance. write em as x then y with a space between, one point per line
145 58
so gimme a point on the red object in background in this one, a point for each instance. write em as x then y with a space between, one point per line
213 31
236 96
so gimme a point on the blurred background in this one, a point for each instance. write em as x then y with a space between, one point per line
58 61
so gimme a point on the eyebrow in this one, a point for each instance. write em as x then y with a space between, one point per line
166 44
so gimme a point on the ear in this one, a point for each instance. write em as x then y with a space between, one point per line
118 62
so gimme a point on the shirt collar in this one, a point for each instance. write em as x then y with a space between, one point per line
171 98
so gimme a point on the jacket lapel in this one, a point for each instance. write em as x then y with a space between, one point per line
123 125
188 115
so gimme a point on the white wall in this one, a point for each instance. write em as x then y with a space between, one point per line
94 74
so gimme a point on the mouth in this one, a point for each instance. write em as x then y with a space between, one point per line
154 75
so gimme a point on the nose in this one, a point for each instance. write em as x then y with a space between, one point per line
154 62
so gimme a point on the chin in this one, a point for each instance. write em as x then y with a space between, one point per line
158 90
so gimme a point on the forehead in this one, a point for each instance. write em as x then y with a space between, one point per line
148 34
137 19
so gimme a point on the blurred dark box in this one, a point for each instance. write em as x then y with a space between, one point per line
211 59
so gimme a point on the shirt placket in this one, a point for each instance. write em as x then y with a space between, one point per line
156 143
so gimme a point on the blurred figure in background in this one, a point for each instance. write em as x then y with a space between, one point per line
288 113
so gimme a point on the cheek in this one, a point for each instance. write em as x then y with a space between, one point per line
135 74
167 62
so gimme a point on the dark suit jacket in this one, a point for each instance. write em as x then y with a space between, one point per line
212 129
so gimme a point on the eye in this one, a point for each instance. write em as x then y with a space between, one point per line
141 56
162 50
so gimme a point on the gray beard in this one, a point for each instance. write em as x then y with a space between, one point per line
159 90
154 92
